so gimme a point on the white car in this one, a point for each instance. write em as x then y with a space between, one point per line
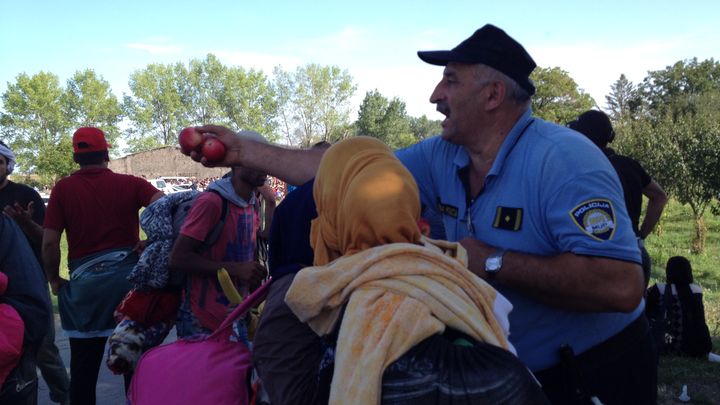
161 185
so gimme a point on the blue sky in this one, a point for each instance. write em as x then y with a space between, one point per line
376 41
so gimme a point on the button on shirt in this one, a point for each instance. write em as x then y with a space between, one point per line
549 191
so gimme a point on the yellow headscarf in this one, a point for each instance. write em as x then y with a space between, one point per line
365 198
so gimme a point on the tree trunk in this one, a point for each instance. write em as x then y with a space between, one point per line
698 244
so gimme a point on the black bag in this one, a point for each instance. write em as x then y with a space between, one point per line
449 368
453 368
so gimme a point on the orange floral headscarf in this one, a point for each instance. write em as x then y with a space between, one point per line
365 198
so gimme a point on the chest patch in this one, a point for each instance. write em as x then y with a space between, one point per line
596 218
508 218
447 209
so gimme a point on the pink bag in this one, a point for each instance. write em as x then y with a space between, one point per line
213 370
12 330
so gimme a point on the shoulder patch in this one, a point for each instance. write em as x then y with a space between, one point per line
596 218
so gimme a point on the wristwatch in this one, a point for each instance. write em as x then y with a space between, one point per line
493 263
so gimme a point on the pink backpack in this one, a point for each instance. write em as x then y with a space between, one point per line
12 330
212 370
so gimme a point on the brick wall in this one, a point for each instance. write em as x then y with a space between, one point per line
167 161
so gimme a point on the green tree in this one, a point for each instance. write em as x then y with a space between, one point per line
676 90
623 101
384 119
89 101
683 155
155 108
202 89
248 100
558 98
36 127
314 103
679 122
423 127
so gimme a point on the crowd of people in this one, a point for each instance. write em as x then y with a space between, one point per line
536 260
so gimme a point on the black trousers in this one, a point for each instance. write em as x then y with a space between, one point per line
621 370
86 355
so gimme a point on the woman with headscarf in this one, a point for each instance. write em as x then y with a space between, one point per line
677 315
391 287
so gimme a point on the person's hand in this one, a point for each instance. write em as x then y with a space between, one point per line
252 273
477 253
20 214
140 246
56 284
227 137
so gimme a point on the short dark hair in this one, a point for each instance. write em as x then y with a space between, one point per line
91 158
596 126
321 144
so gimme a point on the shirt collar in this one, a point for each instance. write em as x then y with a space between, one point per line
510 141
462 159
91 170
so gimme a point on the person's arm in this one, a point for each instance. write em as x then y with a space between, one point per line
568 281
264 157
268 196
656 203
23 216
156 196
51 259
185 257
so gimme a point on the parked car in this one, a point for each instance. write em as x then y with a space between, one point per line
161 185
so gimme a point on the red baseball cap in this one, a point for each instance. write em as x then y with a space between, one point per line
89 139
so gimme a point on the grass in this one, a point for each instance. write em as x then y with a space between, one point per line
673 237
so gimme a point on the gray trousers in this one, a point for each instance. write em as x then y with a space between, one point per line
52 367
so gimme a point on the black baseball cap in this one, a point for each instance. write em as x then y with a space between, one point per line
490 46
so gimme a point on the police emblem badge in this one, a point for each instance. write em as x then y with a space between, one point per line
596 218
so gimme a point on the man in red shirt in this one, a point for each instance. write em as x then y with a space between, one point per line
98 210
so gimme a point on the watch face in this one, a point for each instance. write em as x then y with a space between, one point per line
493 263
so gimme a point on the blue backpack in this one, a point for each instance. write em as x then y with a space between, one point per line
161 221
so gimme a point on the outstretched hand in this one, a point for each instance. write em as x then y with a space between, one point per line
19 213
224 135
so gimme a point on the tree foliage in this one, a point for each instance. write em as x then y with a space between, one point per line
36 127
314 103
676 90
384 119
624 101
88 101
677 137
558 98
166 98
249 103
155 108
423 127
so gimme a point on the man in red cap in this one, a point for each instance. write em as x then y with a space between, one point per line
98 210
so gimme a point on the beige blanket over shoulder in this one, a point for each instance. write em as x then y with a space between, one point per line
397 295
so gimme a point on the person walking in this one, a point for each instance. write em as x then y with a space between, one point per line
98 211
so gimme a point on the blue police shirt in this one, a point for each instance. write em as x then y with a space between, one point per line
549 191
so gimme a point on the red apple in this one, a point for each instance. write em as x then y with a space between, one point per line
213 150
190 140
